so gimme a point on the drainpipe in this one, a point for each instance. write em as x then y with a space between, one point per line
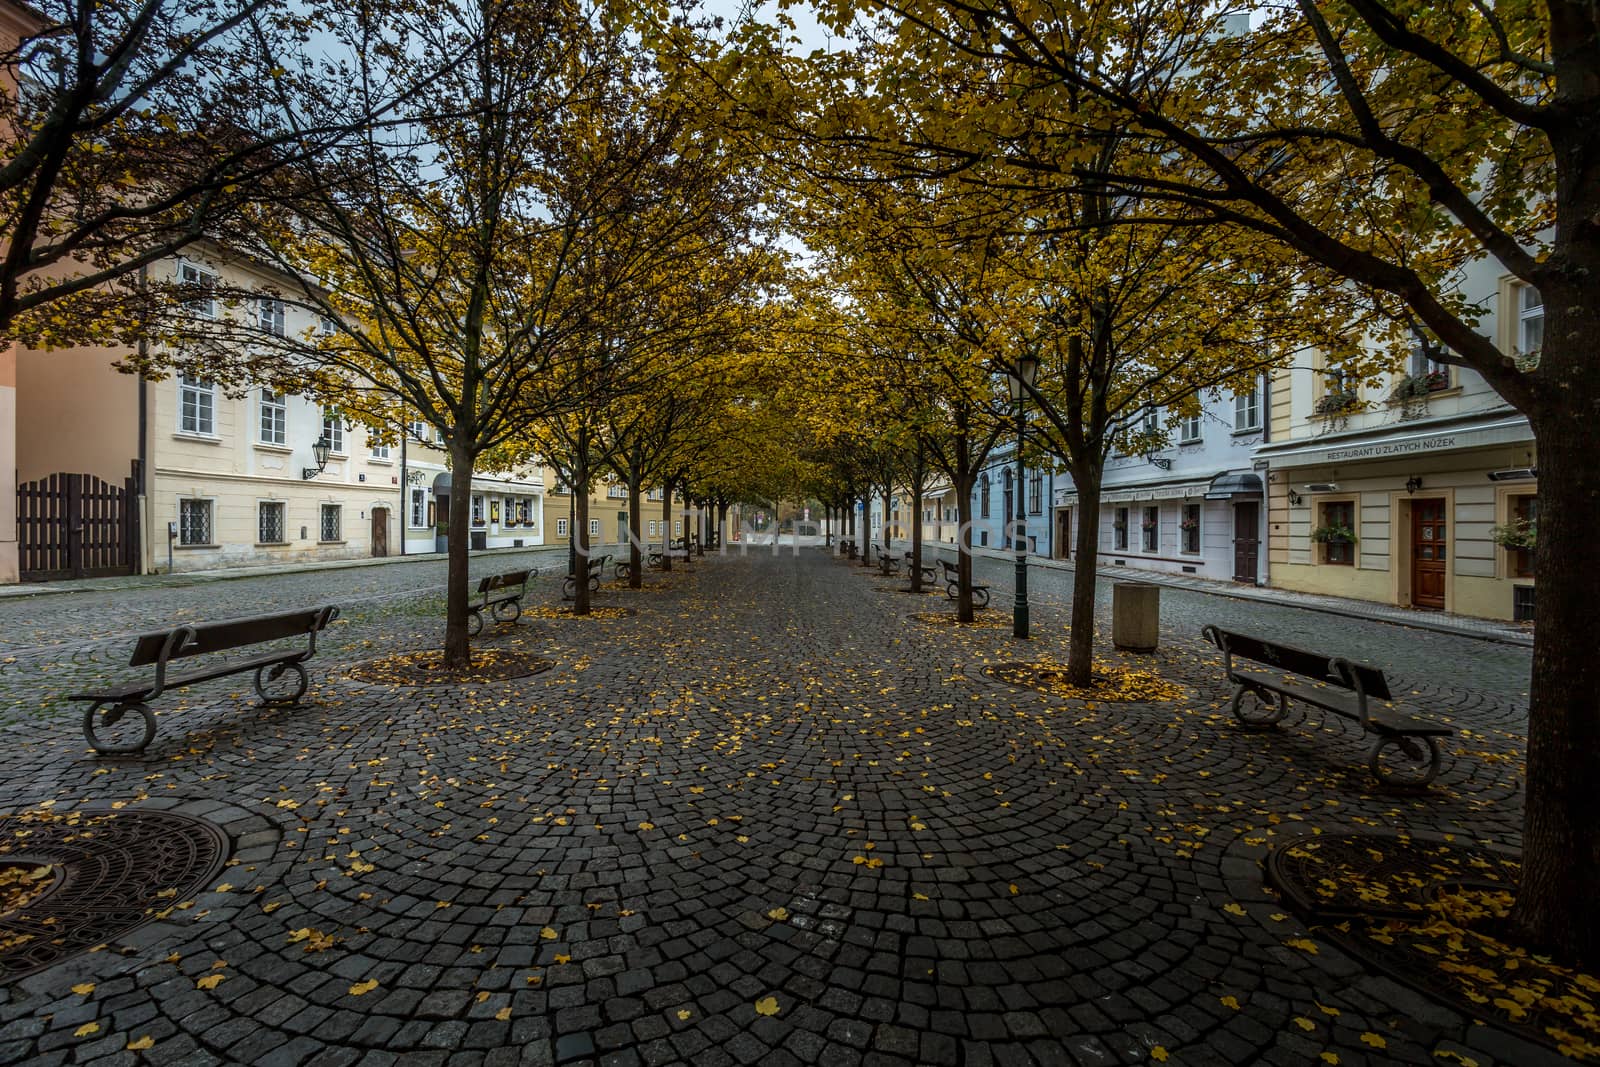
405 490
144 442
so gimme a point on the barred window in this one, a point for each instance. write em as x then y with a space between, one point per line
331 522
194 522
269 522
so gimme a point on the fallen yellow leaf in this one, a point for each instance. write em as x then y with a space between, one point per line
141 1044
504 1014
210 981
548 934
83 989
767 1006
778 914
361 989
1370 1038
86 1029
684 1013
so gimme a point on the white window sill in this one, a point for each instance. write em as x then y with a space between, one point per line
381 461
267 446
1247 431
339 542
204 438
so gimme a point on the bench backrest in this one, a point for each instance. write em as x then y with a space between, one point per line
500 581
1315 665
950 569
232 633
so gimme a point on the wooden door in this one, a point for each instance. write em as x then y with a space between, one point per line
1246 540
380 531
1063 533
1427 554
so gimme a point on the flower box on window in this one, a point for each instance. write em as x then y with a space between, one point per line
1147 525
1337 403
1341 535
1517 535
1189 524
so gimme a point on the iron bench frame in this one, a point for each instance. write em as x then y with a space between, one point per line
952 585
497 598
595 571
1354 686
160 648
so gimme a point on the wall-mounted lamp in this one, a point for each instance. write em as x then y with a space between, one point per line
1413 483
1295 499
319 452
1160 461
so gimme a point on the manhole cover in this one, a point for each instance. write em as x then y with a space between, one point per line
110 872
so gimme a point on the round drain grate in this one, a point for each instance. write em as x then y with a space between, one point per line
113 872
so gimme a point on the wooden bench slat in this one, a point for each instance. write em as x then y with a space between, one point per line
222 636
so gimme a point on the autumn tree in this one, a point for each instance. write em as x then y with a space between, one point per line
140 129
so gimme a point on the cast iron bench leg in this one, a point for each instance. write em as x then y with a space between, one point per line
111 716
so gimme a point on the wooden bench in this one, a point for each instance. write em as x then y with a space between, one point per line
848 548
1347 689
500 594
952 585
594 572
888 566
161 648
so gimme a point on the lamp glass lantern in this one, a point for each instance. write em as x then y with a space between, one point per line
319 453
1025 375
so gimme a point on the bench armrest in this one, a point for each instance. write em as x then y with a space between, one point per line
169 648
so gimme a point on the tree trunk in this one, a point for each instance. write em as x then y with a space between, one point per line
888 529
580 538
457 645
916 534
1080 639
964 546
1561 820
722 527
666 525
635 556
701 517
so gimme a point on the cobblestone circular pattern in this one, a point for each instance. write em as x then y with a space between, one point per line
425 668
118 871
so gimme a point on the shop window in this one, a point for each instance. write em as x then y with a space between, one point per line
477 511
1524 518
1336 534
1151 528
1119 530
419 509
1189 527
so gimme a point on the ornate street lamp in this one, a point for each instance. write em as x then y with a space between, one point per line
1026 374
319 452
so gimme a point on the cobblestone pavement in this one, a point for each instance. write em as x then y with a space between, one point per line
769 818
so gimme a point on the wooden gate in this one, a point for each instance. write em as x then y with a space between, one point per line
77 526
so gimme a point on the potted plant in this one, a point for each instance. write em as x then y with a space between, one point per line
1189 524
1517 535
1333 534
1418 386
1148 524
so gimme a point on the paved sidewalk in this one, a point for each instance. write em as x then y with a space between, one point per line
771 817
1436 621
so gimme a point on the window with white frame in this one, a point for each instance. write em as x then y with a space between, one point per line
1247 410
1189 430
478 518
561 527
332 522
194 522
196 275
197 406
594 528
333 430
326 327
269 315
269 522
419 508
1530 320
616 491
677 527
983 497
380 450
1423 367
1150 421
418 430
274 418
1151 528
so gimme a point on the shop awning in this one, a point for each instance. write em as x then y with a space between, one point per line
1232 484
1445 435
441 484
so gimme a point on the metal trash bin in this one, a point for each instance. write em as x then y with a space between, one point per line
1135 616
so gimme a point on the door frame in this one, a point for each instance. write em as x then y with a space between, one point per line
1061 535
1400 543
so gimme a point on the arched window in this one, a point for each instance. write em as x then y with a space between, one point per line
983 497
